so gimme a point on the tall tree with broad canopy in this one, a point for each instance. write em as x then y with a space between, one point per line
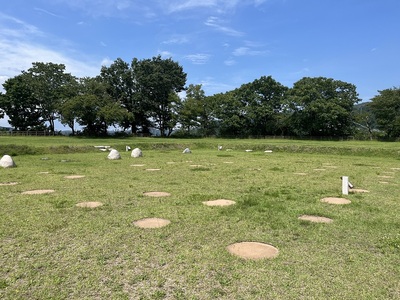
19 103
322 107
93 108
158 81
50 87
386 108
122 87
264 100
196 112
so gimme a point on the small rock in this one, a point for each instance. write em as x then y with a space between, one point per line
7 162
114 154
136 153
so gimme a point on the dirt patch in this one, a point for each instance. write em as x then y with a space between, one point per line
334 200
38 192
92 204
319 169
74 176
301 174
44 173
253 250
157 194
315 219
219 202
358 191
151 223
383 182
385 176
8 183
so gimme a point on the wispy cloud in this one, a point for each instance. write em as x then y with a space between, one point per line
198 59
47 12
165 54
20 46
178 40
217 24
246 51
230 62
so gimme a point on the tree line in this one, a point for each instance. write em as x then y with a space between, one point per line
144 95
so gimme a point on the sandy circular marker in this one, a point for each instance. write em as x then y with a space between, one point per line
253 250
219 202
358 191
333 200
151 223
315 219
157 194
8 183
38 192
92 204
74 176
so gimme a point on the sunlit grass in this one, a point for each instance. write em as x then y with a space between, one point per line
51 249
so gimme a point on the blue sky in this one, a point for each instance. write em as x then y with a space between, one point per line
221 44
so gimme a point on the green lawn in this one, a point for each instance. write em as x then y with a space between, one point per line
51 249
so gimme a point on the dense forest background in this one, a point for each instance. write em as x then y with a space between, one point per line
150 96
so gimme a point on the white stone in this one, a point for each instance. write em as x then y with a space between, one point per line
114 154
268 151
136 153
187 150
7 162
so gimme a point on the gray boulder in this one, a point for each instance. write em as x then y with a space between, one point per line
136 153
7 162
114 154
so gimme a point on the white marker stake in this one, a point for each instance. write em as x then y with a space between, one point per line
345 185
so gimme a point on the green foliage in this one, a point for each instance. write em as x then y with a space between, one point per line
322 107
386 108
158 81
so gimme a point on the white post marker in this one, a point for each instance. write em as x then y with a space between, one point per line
345 185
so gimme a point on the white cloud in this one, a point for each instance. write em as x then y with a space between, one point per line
246 51
217 24
198 59
229 62
165 54
20 46
178 40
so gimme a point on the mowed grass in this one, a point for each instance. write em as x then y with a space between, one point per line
52 249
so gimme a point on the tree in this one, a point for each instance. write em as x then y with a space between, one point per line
50 87
195 111
386 108
264 100
19 103
157 81
122 87
93 108
322 107
231 114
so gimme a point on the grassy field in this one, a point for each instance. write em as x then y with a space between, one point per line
52 249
